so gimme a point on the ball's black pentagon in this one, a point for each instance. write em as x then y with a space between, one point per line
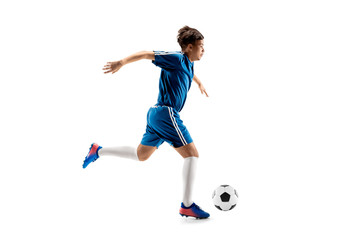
224 185
218 207
225 197
232 207
236 193
214 193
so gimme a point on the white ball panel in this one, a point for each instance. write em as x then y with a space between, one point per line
225 206
220 190
230 190
233 199
217 200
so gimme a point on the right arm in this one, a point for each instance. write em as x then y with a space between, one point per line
113 67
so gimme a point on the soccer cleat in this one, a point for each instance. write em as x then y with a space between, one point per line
92 155
193 211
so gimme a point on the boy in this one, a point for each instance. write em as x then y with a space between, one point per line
163 120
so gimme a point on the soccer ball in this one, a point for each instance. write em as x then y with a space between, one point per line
225 197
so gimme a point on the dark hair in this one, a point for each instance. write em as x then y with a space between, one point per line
188 35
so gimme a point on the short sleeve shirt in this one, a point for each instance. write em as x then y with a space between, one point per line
177 72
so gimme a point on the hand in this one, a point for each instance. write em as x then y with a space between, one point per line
113 67
202 89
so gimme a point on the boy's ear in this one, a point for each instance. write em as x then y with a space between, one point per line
189 47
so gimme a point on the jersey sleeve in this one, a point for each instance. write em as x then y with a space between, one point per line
167 60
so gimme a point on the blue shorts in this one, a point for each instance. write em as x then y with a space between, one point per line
164 124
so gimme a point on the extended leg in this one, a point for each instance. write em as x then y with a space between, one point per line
142 153
123 152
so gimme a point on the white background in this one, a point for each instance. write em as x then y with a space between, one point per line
281 124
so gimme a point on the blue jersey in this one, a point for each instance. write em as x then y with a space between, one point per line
177 72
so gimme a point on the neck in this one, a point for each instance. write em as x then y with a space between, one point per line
188 55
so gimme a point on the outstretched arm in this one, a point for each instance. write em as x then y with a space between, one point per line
113 67
201 86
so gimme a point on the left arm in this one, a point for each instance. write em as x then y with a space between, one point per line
201 86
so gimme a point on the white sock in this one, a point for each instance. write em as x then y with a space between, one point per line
123 152
189 171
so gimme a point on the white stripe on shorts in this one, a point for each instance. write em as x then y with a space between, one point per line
171 113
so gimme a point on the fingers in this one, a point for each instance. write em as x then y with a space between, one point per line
109 68
206 93
112 67
109 64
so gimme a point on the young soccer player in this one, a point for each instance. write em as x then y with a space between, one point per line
163 119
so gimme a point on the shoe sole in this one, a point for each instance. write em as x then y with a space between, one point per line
183 215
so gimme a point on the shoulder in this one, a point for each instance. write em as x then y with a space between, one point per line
168 53
166 59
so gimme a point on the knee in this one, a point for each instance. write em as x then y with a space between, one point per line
144 152
195 153
143 157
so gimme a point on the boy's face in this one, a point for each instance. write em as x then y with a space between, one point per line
196 50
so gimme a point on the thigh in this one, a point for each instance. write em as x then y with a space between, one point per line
188 150
150 138
168 126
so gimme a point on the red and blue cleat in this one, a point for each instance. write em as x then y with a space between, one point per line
92 155
193 211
